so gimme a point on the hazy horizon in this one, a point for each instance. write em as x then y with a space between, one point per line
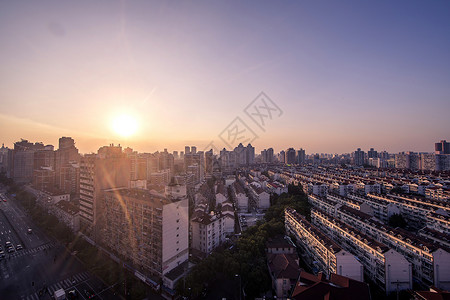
345 75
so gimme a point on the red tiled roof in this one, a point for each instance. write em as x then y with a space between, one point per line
338 287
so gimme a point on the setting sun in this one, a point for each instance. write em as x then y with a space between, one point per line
125 125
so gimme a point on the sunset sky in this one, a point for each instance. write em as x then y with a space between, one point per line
345 74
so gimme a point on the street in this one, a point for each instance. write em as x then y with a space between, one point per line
43 265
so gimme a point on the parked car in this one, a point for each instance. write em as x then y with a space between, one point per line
72 294
29 231
19 247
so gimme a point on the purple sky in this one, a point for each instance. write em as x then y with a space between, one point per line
345 74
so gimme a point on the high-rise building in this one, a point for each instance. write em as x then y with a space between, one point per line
6 161
443 147
66 155
209 157
23 160
427 161
151 231
263 156
442 162
290 156
358 157
372 153
250 155
270 155
408 160
282 156
109 168
187 150
414 160
301 156
166 161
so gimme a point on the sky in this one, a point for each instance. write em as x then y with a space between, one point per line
338 75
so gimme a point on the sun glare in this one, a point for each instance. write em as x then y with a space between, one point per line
125 125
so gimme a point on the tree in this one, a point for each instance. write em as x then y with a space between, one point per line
397 220
247 258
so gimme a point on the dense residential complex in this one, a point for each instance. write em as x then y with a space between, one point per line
153 211
321 250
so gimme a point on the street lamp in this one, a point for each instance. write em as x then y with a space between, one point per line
237 275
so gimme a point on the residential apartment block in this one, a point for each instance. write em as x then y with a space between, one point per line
147 229
208 232
384 266
320 250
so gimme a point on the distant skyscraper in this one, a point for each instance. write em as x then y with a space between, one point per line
187 150
358 157
66 157
290 156
443 147
301 156
209 162
428 161
408 160
23 160
6 161
372 153
250 154
263 156
193 149
270 155
282 156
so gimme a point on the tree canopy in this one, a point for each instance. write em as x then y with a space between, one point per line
247 256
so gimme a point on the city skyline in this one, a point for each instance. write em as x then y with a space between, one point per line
346 75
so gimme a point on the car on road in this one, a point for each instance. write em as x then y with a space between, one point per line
8 244
29 231
2 254
72 294
19 247
11 250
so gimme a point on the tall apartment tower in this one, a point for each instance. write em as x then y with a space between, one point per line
301 156
151 231
372 153
250 154
109 168
290 156
443 147
270 155
67 169
6 161
358 157
23 160
209 158
282 156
